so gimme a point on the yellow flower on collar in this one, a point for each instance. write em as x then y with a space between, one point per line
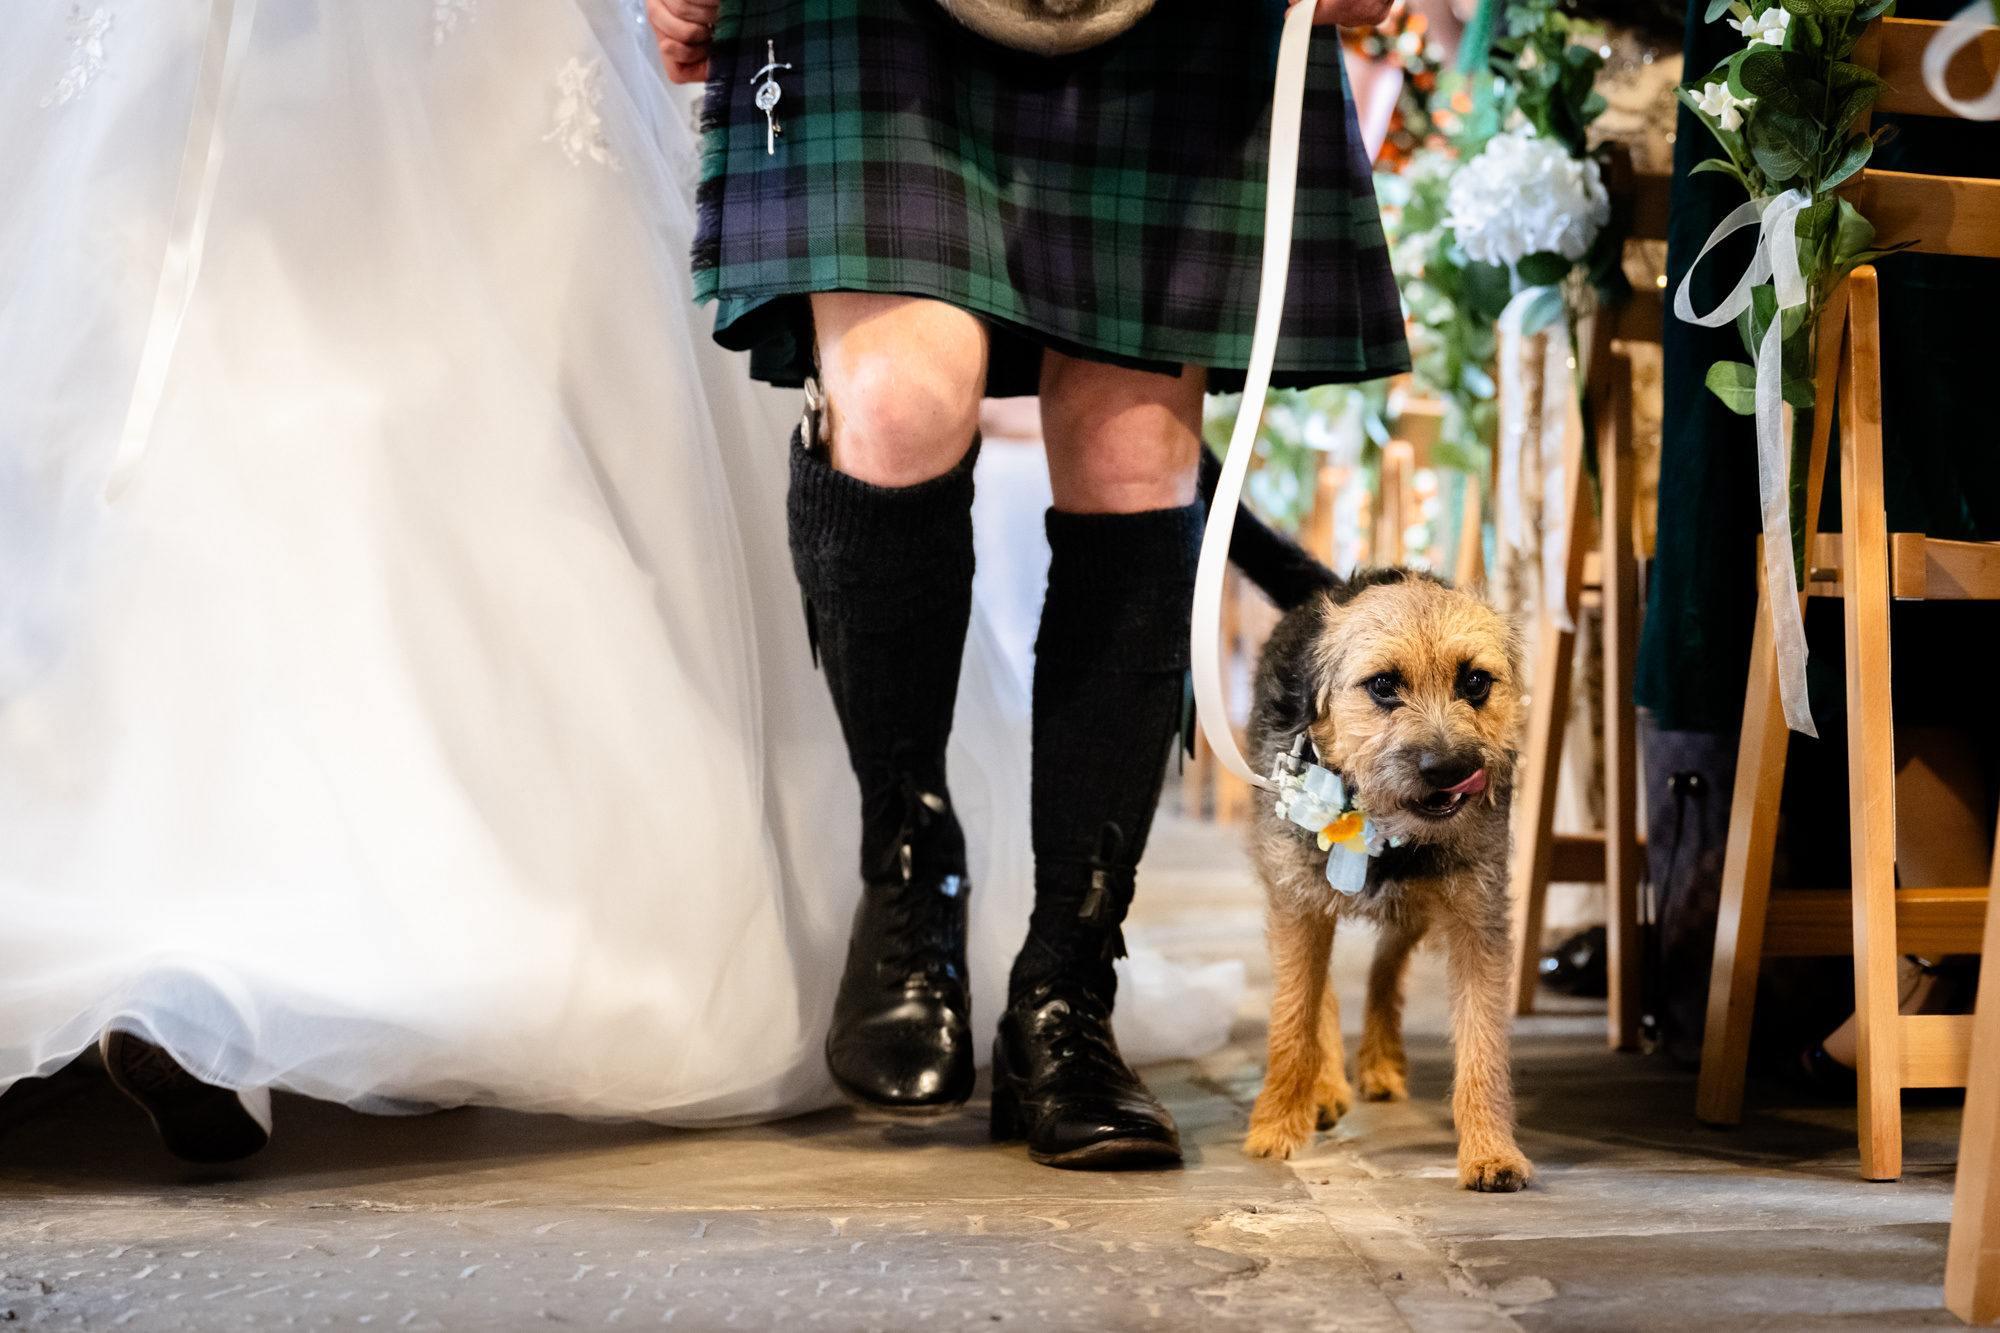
1342 829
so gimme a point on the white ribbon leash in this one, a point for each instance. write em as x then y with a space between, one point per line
1963 30
229 23
1287 109
1777 258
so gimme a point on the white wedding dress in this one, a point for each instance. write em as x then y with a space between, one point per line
425 716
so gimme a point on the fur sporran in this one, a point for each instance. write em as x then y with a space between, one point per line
1048 27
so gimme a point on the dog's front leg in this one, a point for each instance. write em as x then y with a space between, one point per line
1288 1107
1482 1095
1331 1092
1380 1066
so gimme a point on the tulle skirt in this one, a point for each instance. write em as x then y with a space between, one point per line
428 720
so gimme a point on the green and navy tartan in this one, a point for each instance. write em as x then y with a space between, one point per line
1109 205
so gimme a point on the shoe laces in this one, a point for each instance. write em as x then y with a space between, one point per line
1074 1021
926 919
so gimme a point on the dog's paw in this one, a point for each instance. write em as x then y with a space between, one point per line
1384 1082
1332 1098
1501 1172
1278 1132
1275 1140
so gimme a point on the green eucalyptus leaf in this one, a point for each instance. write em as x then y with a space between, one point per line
1775 145
1484 291
1720 165
1750 325
1798 391
1852 236
1542 269
1716 9
1735 384
1875 9
1855 157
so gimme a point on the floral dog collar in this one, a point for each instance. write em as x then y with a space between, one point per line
1318 801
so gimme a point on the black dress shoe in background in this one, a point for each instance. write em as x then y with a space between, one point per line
901 1039
1060 1083
197 1121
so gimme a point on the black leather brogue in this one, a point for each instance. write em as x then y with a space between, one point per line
1060 1083
901 1039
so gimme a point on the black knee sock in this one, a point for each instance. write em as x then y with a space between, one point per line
887 577
1110 665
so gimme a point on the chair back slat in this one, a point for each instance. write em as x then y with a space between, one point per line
1943 215
1899 53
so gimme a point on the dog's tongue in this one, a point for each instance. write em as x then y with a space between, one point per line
1471 786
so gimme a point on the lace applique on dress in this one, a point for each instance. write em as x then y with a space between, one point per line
445 15
86 55
578 129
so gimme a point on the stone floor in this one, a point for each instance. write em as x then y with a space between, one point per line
1640 1220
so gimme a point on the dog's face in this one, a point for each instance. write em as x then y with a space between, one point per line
1419 705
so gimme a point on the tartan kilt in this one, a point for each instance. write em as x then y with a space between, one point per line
1108 205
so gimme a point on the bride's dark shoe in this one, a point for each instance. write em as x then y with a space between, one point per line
1060 1083
901 1039
197 1121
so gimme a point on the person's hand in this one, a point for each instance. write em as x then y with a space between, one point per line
684 29
1346 13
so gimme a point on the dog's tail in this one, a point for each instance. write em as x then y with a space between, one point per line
1286 571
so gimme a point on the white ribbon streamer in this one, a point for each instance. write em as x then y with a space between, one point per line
1963 30
229 24
1549 433
1287 110
1777 258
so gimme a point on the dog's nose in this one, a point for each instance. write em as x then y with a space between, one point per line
1446 768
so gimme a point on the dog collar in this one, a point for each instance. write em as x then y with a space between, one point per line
1318 800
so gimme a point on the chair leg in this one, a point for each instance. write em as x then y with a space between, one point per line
1871 750
1616 475
1548 711
1972 1260
1746 883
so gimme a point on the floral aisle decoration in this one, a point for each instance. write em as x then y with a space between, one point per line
1782 109
1533 203
1451 302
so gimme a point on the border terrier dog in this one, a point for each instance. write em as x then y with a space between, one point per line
1398 699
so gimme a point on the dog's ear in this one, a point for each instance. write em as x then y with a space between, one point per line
1310 685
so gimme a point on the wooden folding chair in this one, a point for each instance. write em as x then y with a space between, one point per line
1972 1259
1610 858
1865 565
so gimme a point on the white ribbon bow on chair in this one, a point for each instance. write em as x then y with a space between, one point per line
1777 259
1963 30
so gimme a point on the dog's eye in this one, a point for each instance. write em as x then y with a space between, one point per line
1474 686
1382 689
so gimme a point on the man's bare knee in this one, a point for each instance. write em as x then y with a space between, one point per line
903 378
1120 441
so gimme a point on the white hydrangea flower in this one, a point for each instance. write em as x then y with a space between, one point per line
1727 108
1767 27
1523 195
